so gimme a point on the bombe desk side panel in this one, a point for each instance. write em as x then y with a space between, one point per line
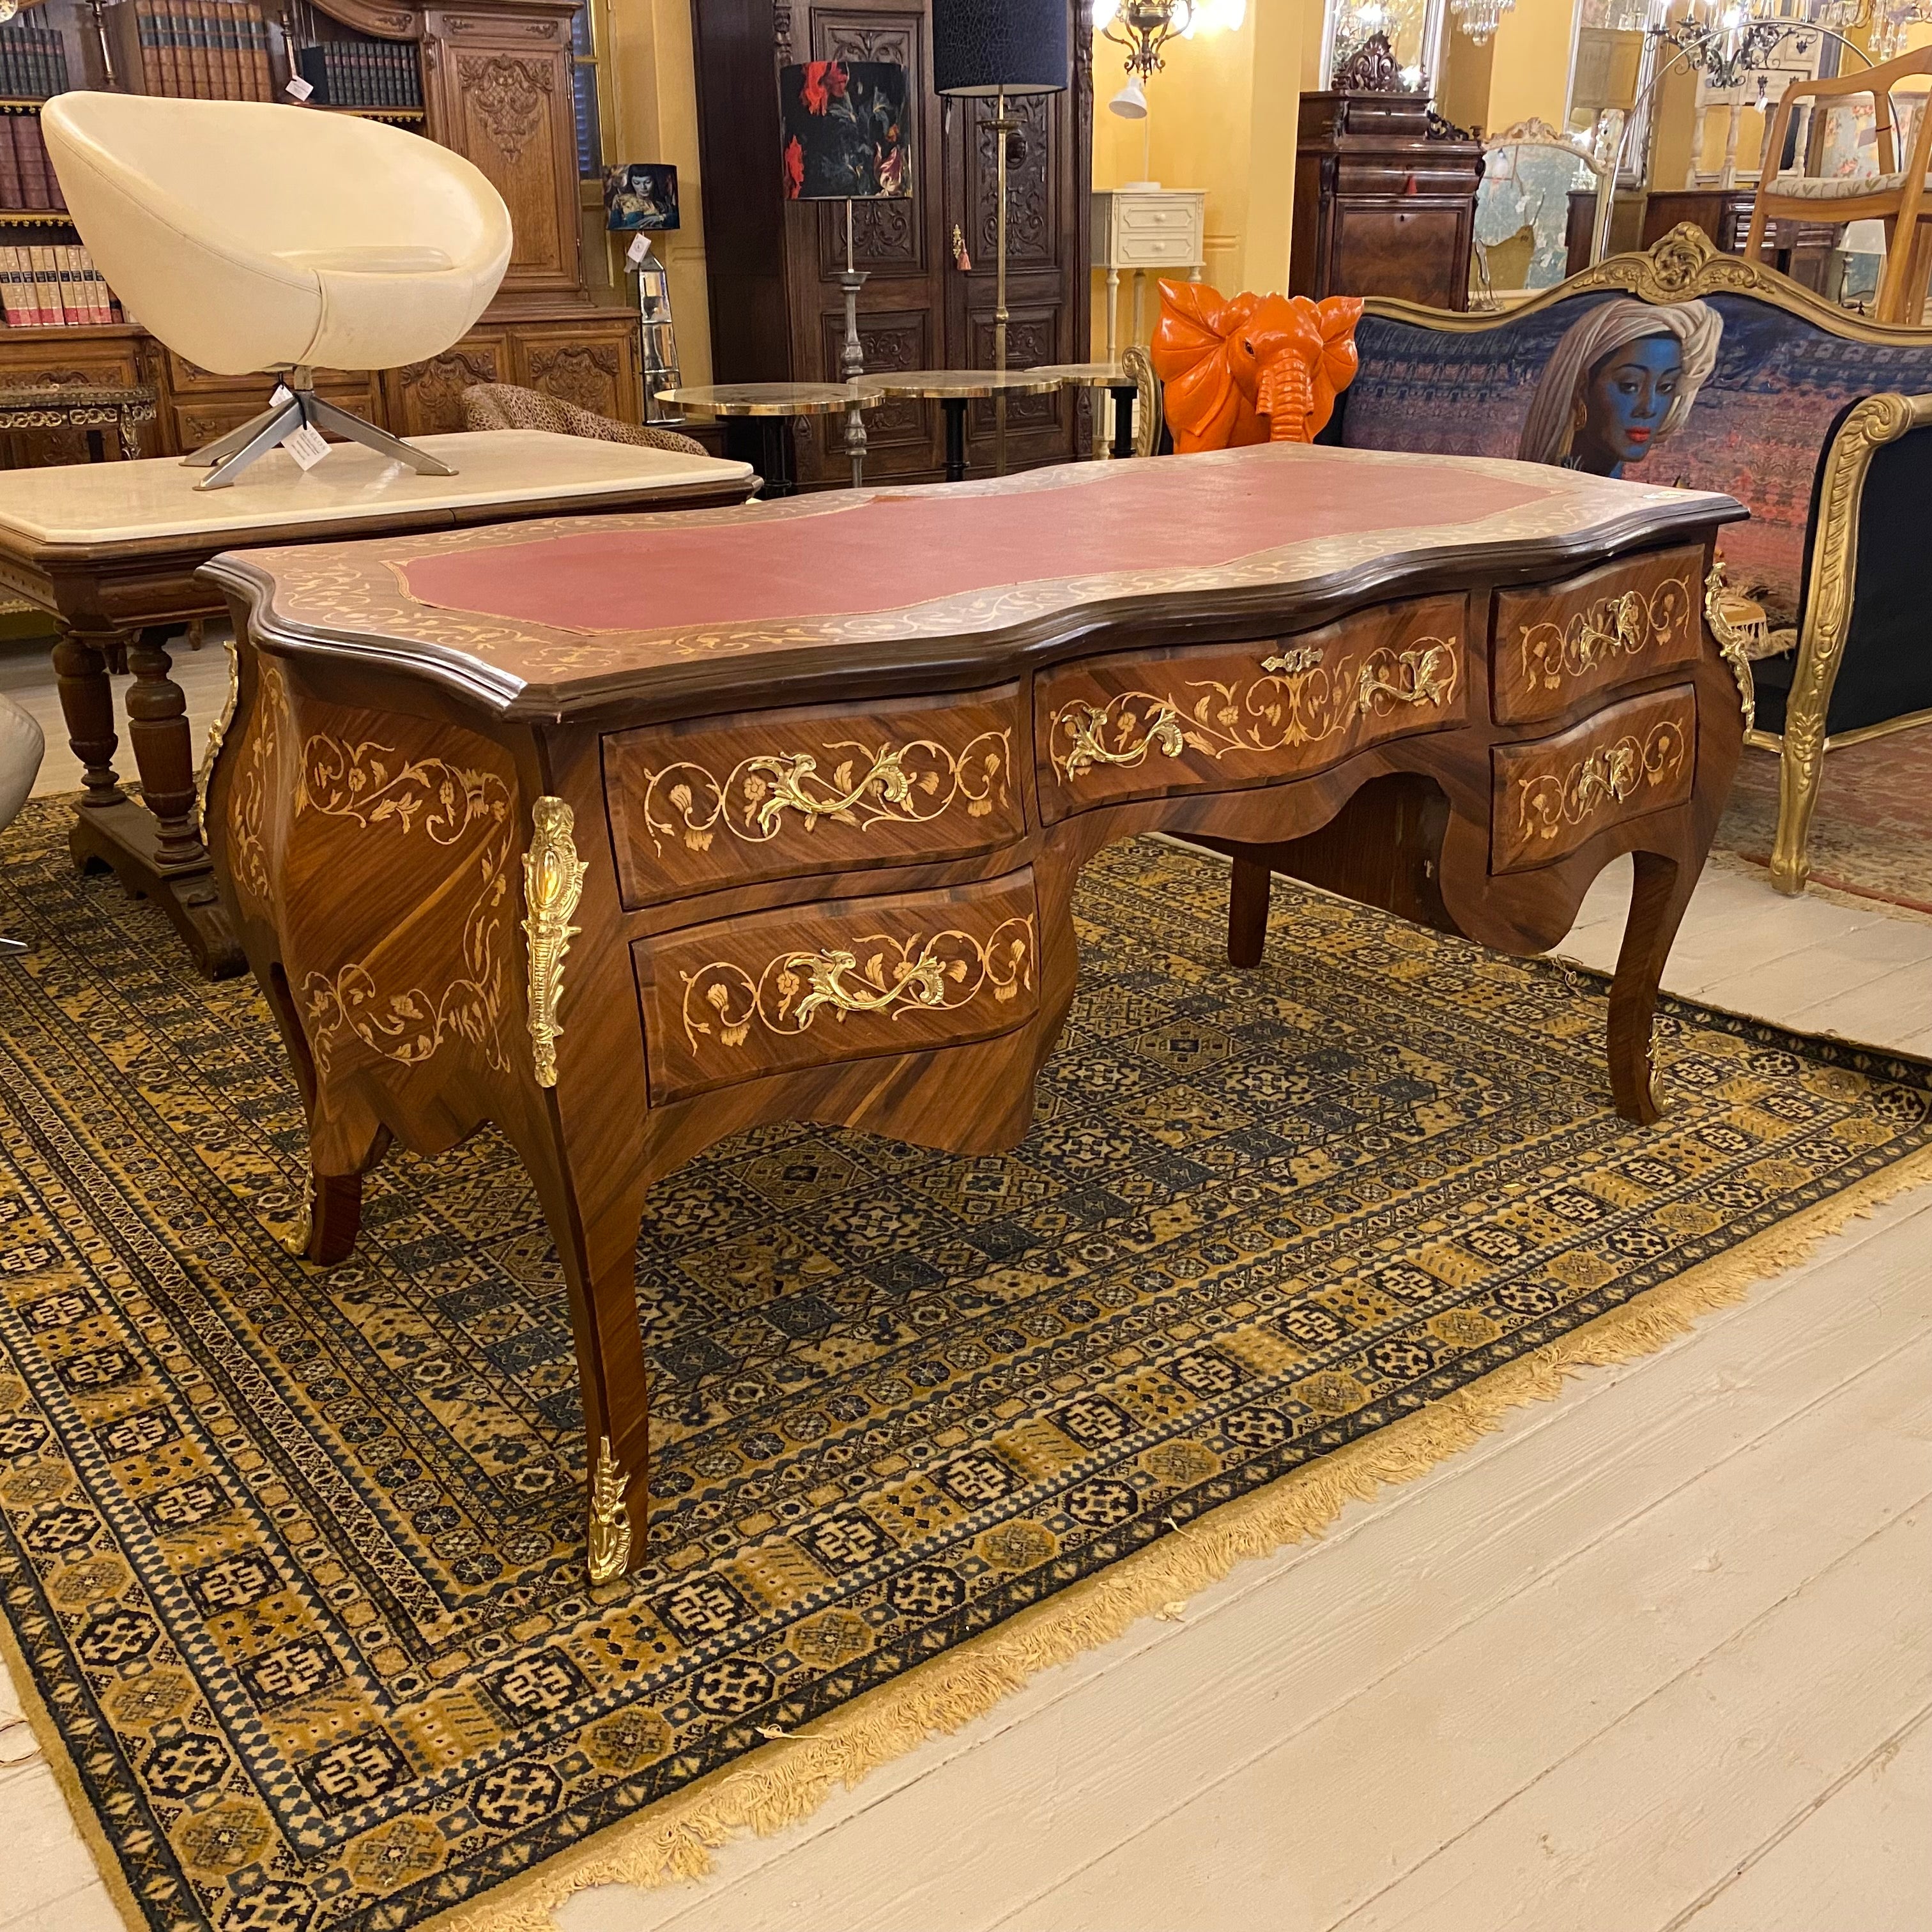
495 857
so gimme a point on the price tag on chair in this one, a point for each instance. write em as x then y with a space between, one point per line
306 444
639 250
297 88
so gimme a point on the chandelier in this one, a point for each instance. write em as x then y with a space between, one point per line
1145 27
1731 41
1479 18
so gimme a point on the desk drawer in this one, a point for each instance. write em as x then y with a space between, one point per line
1138 251
1148 214
1145 724
1560 642
787 794
809 986
1553 794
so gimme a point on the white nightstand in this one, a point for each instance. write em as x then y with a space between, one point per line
1141 228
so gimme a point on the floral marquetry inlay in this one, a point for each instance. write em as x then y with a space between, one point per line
874 975
1623 626
384 794
1299 699
906 784
1608 776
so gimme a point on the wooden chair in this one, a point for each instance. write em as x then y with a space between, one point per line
1895 195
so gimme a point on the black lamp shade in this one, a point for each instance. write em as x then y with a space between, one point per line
845 130
980 46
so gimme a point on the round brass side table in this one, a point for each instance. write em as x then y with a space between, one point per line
952 389
773 405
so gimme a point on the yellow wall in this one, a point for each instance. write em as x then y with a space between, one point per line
1529 63
651 103
1223 112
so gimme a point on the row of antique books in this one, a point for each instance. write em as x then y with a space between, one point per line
33 62
27 177
49 285
204 50
362 73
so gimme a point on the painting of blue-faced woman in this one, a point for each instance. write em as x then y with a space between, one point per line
1620 381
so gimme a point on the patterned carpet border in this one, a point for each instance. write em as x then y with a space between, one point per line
795 1773
1777 1141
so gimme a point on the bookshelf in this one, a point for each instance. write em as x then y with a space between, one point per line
495 82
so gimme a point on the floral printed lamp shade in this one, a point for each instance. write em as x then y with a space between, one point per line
847 132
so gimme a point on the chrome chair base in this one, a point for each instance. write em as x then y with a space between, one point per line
229 455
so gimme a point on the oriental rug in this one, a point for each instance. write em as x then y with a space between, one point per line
1871 834
292 1562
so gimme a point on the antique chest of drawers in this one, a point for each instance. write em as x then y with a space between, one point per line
626 833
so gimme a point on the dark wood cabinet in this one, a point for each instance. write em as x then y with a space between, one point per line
777 313
1801 250
1381 206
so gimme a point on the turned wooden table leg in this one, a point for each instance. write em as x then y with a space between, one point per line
163 750
154 847
1663 889
1248 911
87 703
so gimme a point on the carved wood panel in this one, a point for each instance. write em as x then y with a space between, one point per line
1030 342
506 102
426 397
596 372
762 247
887 236
892 342
30 359
1033 212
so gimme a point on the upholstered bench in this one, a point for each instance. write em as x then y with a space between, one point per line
1683 365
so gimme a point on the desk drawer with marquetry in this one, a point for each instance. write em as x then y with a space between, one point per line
1551 794
810 986
789 794
1151 724
1628 620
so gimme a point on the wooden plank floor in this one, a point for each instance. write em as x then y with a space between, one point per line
1656 1656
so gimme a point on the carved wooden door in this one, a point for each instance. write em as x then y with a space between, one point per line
919 310
898 245
1046 257
498 88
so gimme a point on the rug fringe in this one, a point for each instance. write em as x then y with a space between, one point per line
788 1779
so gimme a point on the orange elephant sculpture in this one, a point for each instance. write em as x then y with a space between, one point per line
1253 369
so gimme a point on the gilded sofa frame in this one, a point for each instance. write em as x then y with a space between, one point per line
1685 265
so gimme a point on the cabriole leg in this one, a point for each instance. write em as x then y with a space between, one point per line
597 1245
1662 890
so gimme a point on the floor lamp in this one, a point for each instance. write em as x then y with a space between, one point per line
987 49
845 133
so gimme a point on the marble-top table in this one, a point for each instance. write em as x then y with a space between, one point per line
111 550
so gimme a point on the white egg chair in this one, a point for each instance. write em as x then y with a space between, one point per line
251 236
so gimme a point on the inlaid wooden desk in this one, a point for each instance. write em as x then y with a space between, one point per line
625 834
111 550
